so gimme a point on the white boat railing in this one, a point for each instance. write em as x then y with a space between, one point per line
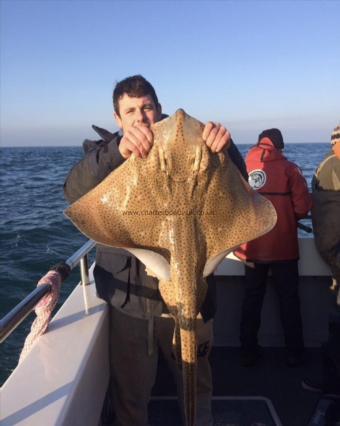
15 317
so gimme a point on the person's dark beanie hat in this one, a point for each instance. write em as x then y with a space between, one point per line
274 135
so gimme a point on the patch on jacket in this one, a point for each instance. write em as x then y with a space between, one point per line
257 179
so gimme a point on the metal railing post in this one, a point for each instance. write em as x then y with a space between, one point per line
84 270
85 281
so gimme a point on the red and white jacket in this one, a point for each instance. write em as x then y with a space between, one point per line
282 182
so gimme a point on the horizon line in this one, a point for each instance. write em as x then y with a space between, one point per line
80 146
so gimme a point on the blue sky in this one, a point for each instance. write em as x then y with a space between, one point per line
248 64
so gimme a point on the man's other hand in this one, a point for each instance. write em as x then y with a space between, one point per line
216 136
138 140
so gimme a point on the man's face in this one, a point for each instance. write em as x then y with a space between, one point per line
336 149
137 111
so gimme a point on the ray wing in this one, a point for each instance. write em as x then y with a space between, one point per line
121 210
236 214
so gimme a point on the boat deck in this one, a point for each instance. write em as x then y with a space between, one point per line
270 378
72 392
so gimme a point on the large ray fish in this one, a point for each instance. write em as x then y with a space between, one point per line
180 211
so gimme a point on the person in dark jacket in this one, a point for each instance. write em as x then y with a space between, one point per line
326 226
326 207
140 324
281 181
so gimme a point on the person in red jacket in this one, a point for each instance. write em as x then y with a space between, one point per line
282 182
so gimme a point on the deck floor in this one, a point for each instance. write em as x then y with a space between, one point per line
270 378
227 411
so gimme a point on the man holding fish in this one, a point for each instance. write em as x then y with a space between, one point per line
139 320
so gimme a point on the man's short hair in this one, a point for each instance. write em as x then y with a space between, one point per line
135 86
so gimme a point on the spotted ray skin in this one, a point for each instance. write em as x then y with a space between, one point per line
180 210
